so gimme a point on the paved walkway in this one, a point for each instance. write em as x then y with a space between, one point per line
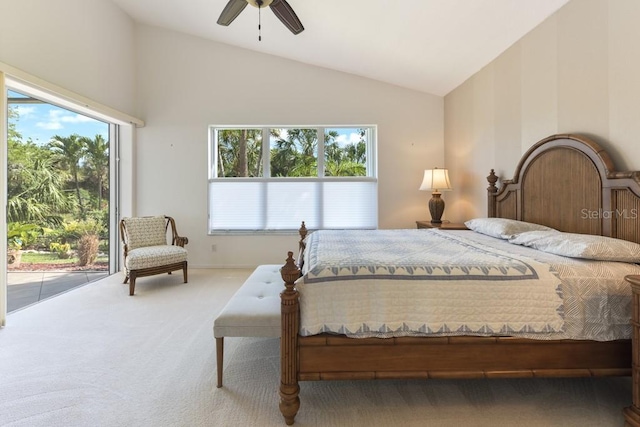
26 288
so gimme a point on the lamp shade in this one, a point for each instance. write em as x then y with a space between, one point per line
436 180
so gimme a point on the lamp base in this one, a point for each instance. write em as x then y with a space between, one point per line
436 208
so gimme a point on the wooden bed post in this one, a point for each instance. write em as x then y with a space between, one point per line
289 388
492 190
303 234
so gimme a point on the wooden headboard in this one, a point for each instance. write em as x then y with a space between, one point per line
568 182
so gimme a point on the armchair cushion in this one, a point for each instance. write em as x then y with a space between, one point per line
145 231
155 256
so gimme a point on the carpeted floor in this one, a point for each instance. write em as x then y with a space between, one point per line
96 357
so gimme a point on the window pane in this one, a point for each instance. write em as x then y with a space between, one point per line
328 181
294 152
239 152
345 152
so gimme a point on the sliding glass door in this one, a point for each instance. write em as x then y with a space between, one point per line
62 198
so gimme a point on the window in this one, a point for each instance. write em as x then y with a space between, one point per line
272 178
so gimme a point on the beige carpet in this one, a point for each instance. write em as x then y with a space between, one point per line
96 357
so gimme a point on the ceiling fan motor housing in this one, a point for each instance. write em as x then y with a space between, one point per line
280 8
259 3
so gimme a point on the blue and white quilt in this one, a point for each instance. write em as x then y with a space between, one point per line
423 282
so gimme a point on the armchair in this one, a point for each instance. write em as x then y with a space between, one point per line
145 248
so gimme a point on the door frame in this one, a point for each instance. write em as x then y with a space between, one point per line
122 175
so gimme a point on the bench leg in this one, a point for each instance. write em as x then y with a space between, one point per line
219 358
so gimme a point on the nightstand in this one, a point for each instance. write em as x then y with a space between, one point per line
442 226
632 413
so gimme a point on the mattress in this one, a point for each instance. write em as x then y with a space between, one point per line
391 283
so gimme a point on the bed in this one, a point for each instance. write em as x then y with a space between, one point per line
564 182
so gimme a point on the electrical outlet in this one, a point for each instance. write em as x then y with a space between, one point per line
214 248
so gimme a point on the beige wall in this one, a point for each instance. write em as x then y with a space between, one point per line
186 84
84 46
577 72
179 85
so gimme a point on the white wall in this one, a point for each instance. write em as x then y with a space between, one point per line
577 72
180 85
186 84
85 46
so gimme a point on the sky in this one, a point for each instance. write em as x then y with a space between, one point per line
347 136
41 122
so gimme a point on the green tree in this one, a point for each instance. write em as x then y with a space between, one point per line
296 154
240 153
35 189
349 160
13 117
35 193
70 151
97 164
293 153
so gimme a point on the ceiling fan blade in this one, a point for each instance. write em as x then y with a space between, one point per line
231 11
285 13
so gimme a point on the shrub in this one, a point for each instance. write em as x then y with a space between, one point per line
21 235
77 229
63 250
87 249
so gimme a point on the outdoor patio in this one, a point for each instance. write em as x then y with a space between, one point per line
28 287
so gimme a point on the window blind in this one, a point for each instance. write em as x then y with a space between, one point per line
248 204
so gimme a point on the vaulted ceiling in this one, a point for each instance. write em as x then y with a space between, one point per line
427 45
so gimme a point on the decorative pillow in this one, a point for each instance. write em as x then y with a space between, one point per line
145 231
585 246
503 228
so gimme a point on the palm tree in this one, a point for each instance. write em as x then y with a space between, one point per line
70 150
35 192
35 189
296 155
243 164
349 160
97 162
239 153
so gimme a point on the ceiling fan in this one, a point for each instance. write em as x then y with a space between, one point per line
280 8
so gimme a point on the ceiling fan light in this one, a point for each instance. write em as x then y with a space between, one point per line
265 3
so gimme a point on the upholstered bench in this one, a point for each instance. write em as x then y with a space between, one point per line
253 311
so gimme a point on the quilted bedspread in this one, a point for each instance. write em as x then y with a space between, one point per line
416 282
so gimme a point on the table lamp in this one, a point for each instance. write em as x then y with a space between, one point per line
436 180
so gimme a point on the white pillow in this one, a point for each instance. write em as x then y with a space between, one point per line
503 228
585 246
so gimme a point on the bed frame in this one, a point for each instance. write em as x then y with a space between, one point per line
567 182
